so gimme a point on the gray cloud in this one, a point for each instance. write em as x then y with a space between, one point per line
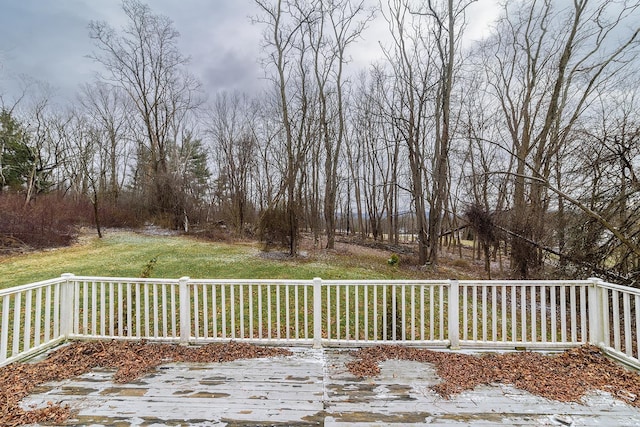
232 72
49 41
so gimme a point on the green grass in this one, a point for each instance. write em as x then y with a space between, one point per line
126 254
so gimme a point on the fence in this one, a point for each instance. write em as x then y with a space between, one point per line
445 313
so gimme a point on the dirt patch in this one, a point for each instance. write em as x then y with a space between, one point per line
362 253
565 377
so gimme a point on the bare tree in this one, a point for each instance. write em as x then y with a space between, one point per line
424 55
447 19
336 26
46 146
374 155
546 64
108 108
409 105
604 172
284 23
143 59
232 129
83 165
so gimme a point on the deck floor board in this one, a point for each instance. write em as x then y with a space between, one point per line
312 387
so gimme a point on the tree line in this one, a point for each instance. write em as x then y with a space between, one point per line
528 138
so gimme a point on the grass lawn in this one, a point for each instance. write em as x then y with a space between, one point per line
127 254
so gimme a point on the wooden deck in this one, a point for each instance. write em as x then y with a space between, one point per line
313 387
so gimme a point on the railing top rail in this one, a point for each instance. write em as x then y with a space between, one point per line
622 288
525 282
157 280
386 282
31 286
124 279
338 281
250 281
308 282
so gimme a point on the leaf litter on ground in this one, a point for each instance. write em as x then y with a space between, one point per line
566 377
130 359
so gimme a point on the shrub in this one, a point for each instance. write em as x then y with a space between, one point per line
394 259
273 228
460 263
49 220
126 213
216 232
148 268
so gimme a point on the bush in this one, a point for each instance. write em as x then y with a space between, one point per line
148 268
394 259
273 228
215 232
49 220
460 263
126 213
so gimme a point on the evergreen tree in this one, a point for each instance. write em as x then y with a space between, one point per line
16 157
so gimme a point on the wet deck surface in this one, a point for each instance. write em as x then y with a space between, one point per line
313 387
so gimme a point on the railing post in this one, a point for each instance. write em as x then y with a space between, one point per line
596 320
454 315
185 310
317 312
66 305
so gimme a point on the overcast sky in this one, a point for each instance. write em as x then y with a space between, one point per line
48 41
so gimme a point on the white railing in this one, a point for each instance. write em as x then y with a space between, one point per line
30 318
105 307
377 311
435 313
532 314
616 320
